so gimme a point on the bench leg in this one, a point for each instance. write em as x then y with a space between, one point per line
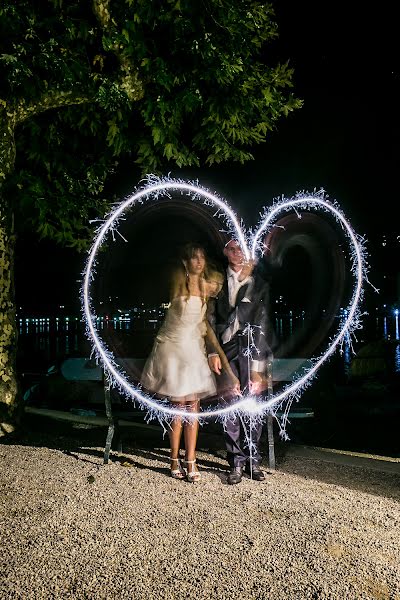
271 443
107 448
111 423
270 423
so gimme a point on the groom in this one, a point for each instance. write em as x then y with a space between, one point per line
243 300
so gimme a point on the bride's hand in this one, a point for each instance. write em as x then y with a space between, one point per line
214 362
236 386
257 383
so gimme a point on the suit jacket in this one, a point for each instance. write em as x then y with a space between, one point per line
251 307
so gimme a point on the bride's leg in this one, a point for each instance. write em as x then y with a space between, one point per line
175 434
191 430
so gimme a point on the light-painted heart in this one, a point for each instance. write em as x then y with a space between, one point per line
252 246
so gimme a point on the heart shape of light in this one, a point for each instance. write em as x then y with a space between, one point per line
252 246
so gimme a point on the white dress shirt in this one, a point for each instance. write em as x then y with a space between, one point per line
234 286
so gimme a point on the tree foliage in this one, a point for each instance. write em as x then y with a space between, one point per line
86 82
166 82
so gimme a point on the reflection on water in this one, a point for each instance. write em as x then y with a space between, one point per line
347 356
284 325
50 339
44 341
397 359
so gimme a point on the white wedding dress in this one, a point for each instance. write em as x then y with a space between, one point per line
177 365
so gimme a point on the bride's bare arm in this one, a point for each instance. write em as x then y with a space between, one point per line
213 345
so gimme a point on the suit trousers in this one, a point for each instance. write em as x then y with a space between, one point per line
238 451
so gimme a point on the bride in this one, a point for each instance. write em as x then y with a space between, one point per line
177 366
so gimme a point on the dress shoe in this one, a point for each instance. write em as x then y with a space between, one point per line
235 475
256 473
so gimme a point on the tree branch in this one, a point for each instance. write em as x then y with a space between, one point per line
49 100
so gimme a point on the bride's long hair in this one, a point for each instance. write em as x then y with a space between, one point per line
212 273
188 251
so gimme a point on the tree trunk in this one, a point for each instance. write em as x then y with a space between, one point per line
8 327
10 117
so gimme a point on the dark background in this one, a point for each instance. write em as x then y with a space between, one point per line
345 139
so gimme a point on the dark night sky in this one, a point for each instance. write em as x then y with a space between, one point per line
345 138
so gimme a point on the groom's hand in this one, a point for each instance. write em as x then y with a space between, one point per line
214 362
236 387
247 269
256 383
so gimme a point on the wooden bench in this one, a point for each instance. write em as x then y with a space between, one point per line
84 369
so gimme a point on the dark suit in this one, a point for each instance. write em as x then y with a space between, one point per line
251 307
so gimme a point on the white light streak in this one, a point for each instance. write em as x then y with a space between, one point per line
165 411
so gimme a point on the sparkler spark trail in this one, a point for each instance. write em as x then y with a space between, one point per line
155 188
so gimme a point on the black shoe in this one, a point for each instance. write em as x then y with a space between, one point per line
235 475
255 473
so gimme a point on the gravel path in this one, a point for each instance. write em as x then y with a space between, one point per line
72 528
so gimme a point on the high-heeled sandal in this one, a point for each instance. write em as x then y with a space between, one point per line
178 473
191 476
